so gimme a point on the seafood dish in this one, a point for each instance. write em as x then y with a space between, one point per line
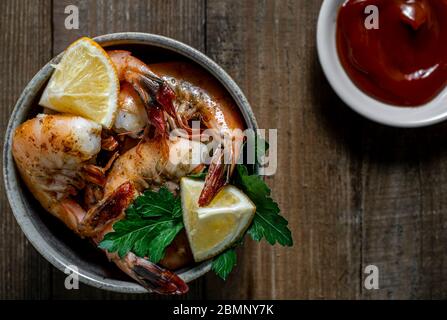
143 160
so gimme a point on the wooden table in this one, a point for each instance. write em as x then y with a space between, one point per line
355 193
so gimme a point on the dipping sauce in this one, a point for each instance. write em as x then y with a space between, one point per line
404 61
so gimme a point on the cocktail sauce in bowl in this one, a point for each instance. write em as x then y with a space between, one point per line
397 54
387 59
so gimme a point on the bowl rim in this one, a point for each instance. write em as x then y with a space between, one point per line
404 117
17 200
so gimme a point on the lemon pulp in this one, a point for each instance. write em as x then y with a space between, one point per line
216 227
84 83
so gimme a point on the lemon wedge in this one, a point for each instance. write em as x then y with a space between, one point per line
84 83
216 227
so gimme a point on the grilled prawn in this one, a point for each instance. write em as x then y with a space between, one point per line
173 100
57 155
51 153
222 123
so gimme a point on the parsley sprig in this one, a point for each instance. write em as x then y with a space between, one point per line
224 263
151 224
155 218
267 223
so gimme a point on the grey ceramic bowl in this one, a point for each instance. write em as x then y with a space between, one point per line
52 239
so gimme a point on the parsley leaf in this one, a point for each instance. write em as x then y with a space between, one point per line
198 176
155 204
267 223
151 224
177 211
224 263
155 218
162 241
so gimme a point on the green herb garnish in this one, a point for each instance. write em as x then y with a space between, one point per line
155 218
198 176
224 263
151 224
267 223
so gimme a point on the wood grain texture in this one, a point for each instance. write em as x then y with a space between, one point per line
183 20
25 46
432 152
355 193
404 211
269 48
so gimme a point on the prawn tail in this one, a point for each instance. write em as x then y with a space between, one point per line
215 179
153 277
108 210
158 279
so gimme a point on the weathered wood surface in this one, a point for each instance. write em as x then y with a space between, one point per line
355 193
25 46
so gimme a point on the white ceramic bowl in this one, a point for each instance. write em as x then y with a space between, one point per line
50 237
428 114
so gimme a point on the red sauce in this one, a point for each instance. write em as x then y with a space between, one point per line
404 61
